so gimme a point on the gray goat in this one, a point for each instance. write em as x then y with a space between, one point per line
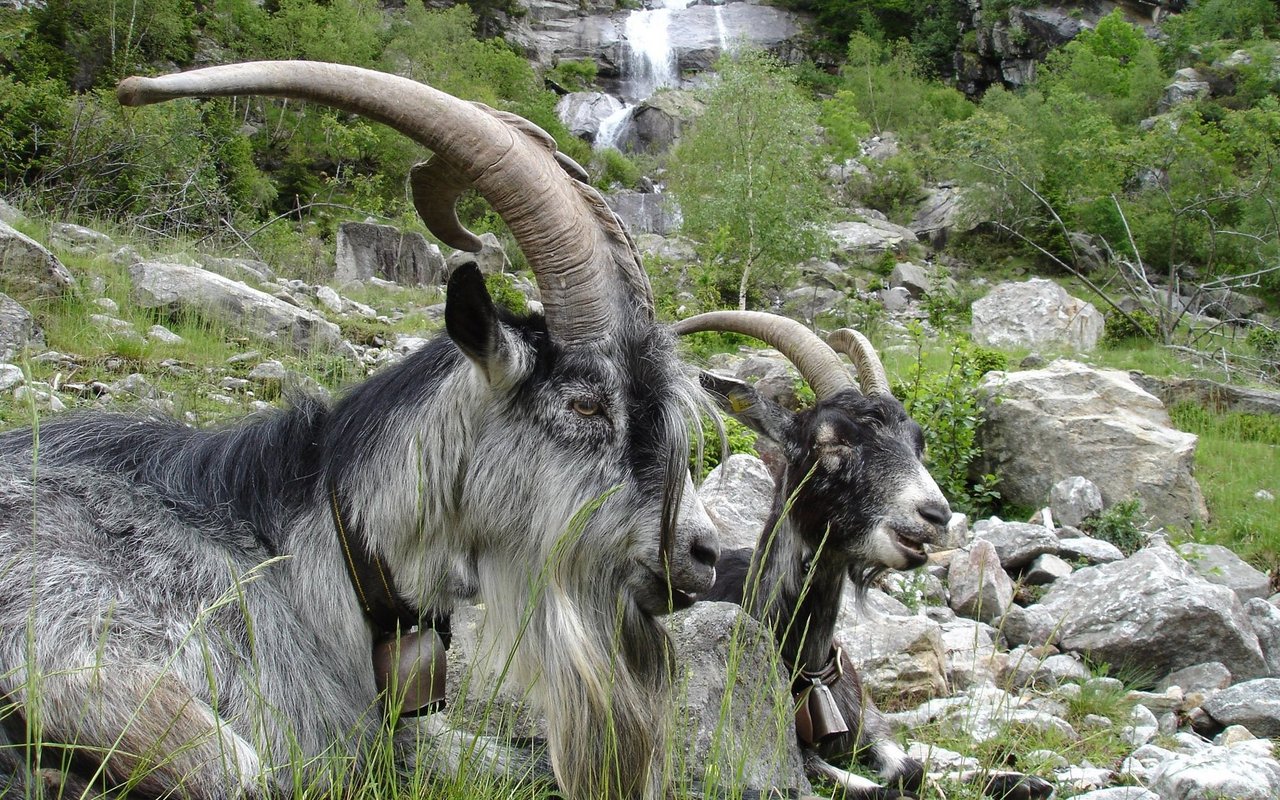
196 612
853 501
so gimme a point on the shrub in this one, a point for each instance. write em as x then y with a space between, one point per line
502 288
574 75
615 169
1119 525
1121 330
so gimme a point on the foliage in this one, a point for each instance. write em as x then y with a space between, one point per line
1266 341
1122 329
893 186
576 75
883 85
947 407
1115 65
707 451
1120 524
748 178
503 291
615 169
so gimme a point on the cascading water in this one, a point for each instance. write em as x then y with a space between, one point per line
648 63
721 31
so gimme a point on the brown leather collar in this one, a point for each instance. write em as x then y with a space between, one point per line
818 717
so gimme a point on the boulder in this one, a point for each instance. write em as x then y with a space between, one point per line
980 588
1042 426
1187 85
1265 618
582 112
1217 564
912 277
1074 499
79 239
658 122
1254 704
1246 771
10 215
645 212
492 257
899 655
27 269
238 269
1150 611
1017 544
940 214
854 239
738 495
366 250
179 287
1037 313
733 704
18 329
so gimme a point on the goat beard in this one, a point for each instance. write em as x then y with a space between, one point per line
604 688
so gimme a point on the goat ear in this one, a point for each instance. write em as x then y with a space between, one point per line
472 321
469 314
740 400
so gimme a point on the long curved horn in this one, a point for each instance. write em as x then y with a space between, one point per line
587 268
871 374
815 361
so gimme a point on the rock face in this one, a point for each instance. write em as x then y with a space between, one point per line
1217 564
856 238
27 269
177 287
582 112
738 495
645 212
1069 419
740 716
18 329
1150 611
1035 314
657 123
367 251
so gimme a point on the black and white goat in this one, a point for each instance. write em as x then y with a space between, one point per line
853 500
195 613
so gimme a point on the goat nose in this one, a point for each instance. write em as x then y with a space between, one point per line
705 550
937 513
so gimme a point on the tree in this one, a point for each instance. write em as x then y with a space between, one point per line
748 175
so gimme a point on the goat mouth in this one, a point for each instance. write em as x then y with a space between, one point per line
911 546
672 599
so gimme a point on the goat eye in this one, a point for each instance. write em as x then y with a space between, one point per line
585 407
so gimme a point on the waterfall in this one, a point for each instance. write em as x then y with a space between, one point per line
648 63
721 31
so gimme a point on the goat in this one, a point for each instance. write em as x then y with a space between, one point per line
853 500
193 612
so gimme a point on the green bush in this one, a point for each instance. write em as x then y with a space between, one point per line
947 407
615 169
575 75
1121 330
502 289
1119 525
738 438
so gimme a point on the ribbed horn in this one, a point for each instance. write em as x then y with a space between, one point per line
813 359
871 374
586 266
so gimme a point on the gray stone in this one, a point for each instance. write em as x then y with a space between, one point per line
980 588
28 270
492 257
645 212
10 215
1046 569
10 376
1119 793
18 329
329 298
659 121
1041 426
911 277
1265 619
1207 677
1217 564
1150 611
160 333
1017 544
1074 500
1221 397
972 656
1188 85
582 112
1089 549
1025 668
238 269
755 734
366 250
172 287
1244 772
41 398
1037 313
270 371
738 495
982 713
1254 704
895 655
78 238
941 214
854 239
895 299
1142 728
